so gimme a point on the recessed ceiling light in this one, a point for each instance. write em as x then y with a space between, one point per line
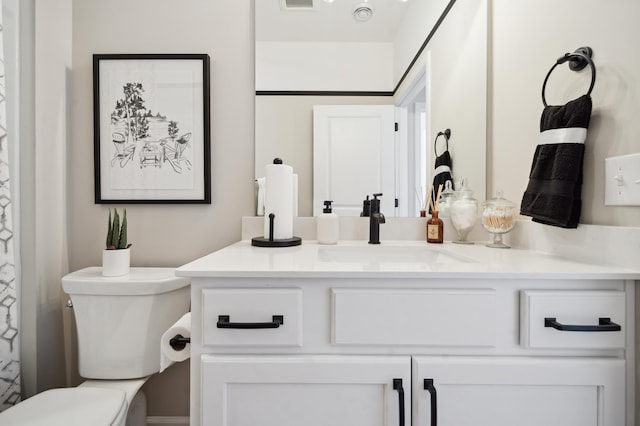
362 12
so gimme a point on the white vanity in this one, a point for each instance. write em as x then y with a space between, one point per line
409 333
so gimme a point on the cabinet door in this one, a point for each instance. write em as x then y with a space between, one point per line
465 391
305 390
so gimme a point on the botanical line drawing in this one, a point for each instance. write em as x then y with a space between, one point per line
156 139
151 115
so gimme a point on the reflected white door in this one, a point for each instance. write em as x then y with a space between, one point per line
353 156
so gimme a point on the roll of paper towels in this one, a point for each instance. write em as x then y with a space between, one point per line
295 195
169 355
278 199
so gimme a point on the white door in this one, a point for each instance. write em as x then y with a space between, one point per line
493 391
305 390
353 156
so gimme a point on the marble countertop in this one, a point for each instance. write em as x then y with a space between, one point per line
398 259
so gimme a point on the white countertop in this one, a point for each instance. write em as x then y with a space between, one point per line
398 259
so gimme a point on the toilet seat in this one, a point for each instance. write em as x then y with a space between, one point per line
79 406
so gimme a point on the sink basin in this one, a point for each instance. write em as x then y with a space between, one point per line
388 254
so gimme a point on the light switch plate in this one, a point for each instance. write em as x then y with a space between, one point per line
622 180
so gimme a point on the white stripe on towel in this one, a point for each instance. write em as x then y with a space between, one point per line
566 135
441 169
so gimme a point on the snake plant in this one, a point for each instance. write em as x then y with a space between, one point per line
116 232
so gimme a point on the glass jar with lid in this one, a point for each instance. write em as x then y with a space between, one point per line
463 212
498 217
446 199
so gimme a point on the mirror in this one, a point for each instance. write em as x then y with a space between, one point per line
304 59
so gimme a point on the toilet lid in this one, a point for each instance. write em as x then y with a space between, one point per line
69 407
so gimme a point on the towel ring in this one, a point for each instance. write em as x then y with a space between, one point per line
447 135
577 61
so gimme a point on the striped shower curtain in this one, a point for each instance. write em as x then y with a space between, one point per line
9 342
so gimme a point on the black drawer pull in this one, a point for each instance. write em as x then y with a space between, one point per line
430 387
397 385
604 324
225 322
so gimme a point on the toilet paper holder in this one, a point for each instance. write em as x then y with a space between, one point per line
179 342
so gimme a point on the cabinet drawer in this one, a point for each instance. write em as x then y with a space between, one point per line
252 317
572 319
429 317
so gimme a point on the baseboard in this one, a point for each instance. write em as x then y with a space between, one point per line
168 420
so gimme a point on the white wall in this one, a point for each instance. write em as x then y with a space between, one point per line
45 63
457 74
455 63
52 90
167 235
324 66
526 39
420 18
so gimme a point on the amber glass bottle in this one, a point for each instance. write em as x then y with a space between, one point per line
435 229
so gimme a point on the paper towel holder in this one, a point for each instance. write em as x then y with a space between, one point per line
272 242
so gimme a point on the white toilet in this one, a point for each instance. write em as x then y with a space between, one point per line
120 321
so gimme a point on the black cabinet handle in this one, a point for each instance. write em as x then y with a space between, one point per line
397 385
604 324
429 387
225 322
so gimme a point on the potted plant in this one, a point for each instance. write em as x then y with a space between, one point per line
116 255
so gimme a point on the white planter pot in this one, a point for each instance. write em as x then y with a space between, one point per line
115 263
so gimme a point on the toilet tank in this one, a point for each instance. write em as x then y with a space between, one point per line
120 320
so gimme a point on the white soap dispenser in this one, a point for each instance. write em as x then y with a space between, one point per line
327 225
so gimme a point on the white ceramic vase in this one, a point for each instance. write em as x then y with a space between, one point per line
116 263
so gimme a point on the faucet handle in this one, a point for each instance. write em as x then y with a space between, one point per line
375 204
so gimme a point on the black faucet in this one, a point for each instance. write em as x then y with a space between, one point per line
375 219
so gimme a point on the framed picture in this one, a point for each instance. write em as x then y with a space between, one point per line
151 128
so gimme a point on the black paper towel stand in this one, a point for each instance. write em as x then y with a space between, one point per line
271 242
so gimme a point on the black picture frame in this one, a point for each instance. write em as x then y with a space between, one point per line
152 128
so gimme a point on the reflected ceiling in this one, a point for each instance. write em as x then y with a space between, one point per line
328 21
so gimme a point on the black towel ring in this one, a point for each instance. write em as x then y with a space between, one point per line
447 135
577 61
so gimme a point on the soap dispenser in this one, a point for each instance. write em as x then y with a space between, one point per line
327 225
366 207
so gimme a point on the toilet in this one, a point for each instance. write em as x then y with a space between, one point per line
120 321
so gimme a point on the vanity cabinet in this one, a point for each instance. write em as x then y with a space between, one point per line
523 391
285 337
307 390
292 351
325 390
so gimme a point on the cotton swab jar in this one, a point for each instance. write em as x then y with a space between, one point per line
498 218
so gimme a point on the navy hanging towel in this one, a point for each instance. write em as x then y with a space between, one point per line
553 195
442 172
